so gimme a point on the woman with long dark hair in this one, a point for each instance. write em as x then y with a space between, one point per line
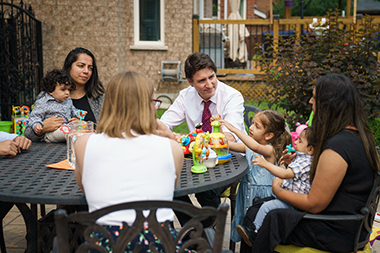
88 94
342 175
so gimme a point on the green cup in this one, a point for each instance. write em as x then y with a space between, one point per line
5 126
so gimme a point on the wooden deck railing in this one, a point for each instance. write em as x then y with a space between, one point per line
211 37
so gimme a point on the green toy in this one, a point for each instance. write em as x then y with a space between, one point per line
311 118
199 143
219 143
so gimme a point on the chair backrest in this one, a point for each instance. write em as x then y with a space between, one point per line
128 233
365 219
369 212
247 117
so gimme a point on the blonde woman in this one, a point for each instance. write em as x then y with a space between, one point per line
125 160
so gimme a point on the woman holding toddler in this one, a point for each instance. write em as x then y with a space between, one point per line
342 175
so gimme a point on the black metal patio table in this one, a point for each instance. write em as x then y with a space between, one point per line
25 179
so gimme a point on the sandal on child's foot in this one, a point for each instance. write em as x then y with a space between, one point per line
245 233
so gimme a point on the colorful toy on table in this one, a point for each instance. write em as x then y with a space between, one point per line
218 142
290 148
210 158
66 128
20 118
207 149
187 141
81 114
197 152
299 129
375 235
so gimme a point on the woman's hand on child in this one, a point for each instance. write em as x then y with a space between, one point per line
259 160
51 124
276 185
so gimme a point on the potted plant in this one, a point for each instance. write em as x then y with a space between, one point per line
319 27
288 3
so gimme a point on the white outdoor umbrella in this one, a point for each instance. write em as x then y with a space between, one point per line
237 34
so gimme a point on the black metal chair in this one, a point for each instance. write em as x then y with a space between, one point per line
247 116
127 234
366 218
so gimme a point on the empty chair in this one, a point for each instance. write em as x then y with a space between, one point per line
247 115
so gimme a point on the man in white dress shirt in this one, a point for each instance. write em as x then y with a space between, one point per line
204 86
200 72
11 144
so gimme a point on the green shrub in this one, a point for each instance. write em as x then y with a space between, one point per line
299 63
375 127
182 128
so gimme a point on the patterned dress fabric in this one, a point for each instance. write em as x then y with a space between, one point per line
256 183
143 239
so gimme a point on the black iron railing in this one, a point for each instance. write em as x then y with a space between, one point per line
21 65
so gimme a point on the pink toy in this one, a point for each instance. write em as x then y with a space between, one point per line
299 129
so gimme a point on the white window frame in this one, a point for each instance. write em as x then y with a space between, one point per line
244 14
148 45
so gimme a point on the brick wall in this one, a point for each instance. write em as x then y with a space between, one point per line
106 29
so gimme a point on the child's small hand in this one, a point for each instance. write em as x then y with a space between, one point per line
217 117
227 124
259 160
287 158
38 129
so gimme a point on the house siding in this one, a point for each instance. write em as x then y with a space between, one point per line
106 28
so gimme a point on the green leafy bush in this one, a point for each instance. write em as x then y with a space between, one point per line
375 127
293 70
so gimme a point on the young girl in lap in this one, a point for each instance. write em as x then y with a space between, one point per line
296 178
267 137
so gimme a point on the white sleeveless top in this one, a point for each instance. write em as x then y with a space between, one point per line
119 170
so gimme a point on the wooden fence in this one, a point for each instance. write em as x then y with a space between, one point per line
211 37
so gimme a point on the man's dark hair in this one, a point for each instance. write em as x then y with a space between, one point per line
54 77
197 61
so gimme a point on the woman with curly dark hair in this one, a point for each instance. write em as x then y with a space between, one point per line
80 65
55 101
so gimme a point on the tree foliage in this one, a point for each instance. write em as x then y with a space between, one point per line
300 62
311 7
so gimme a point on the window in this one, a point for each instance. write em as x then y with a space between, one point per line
243 9
149 25
216 9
